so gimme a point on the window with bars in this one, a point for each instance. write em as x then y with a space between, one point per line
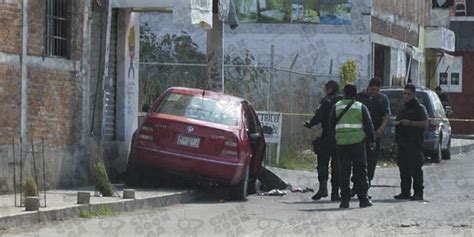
57 28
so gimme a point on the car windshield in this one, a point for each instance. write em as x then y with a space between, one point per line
201 108
396 101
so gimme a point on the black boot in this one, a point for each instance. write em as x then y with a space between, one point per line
365 203
417 197
322 192
335 195
344 204
402 196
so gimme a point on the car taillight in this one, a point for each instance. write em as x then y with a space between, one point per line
231 148
433 125
146 133
146 128
145 137
230 143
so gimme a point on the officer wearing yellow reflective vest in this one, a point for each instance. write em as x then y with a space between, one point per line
353 127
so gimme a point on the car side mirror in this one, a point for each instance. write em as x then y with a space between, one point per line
145 108
255 137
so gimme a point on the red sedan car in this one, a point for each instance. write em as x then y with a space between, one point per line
200 133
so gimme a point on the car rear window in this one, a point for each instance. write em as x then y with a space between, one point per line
396 101
201 108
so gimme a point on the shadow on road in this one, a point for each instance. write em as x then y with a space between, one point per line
327 209
389 201
311 202
384 186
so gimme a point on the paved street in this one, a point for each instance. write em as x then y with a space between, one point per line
447 211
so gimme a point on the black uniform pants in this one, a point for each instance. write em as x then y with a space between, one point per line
410 162
353 157
373 157
328 154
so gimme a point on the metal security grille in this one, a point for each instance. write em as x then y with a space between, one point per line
110 85
57 25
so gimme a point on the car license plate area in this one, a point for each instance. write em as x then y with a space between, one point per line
188 141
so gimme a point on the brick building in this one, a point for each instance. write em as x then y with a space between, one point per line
69 86
398 29
67 80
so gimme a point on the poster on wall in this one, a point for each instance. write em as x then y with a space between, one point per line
295 11
449 74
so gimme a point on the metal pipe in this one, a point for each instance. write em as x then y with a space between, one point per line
14 169
21 171
34 162
24 70
44 170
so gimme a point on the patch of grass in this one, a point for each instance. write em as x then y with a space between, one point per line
103 184
102 212
30 187
297 160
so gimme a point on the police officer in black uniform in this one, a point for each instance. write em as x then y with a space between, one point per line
379 109
412 121
328 143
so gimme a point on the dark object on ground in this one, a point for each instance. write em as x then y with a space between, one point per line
270 181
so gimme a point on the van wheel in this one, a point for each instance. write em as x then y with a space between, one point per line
436 155
447 152
239 191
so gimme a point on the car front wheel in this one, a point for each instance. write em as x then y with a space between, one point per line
447 152
437 153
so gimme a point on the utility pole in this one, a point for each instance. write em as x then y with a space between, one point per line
215 55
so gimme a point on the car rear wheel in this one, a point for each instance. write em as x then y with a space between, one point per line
437 153
134 176
239 191
447 152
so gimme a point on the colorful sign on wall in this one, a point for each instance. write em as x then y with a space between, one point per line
335 12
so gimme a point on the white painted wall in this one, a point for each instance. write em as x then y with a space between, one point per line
130 76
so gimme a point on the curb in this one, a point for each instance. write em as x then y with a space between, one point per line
39 217
462 149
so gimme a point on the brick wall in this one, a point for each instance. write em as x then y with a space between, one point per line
54 106
9 103
36 30
36 27
413 10
463 102
393 31
10 22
